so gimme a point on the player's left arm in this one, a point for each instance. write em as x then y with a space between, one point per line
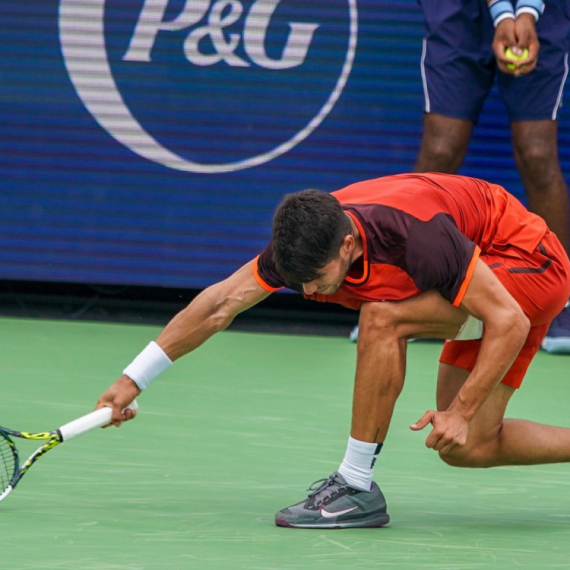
506 329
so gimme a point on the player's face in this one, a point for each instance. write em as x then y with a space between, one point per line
331 276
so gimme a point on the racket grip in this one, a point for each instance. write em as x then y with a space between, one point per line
90 421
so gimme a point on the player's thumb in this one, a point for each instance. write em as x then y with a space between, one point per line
426 419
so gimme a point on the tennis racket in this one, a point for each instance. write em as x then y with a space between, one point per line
10 471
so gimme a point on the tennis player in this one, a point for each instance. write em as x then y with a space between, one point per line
419 255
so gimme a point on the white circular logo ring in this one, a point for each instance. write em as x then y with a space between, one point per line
82 36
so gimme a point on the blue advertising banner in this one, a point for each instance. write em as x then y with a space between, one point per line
148 142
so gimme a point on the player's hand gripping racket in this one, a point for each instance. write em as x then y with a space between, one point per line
10 471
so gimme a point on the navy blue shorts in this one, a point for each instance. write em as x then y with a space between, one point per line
458 64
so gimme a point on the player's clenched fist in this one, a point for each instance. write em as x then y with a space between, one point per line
449 430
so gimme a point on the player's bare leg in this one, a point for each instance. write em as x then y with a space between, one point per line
380 369
535 149
444 144
349 497
493 440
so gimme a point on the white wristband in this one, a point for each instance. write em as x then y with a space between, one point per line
533 7
528 10
502 17
500 10
151 362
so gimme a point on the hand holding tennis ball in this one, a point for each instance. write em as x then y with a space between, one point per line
513 57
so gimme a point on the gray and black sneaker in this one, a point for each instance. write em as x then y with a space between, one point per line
333 504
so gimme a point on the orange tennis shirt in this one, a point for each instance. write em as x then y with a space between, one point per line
420 232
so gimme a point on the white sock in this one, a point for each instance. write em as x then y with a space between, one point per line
357 467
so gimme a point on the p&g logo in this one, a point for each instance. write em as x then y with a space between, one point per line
209 86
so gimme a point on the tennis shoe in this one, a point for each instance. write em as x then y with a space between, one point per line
557 339
332 503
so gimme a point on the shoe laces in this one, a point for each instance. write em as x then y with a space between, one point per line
323 489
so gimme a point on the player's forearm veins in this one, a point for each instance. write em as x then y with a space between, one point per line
212 311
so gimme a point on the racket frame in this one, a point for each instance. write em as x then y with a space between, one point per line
93 420
53 438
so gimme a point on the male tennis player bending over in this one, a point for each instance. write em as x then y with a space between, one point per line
420 255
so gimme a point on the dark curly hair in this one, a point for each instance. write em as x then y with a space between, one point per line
308 230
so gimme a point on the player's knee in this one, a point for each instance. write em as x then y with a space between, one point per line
535 155
480 452
378 320
473 457
441 156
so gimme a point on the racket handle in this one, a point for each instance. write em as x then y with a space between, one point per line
90 421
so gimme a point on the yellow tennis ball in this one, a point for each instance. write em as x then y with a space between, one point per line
510 55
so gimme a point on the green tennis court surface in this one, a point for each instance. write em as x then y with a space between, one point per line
235 432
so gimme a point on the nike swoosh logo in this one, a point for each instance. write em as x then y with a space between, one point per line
328 515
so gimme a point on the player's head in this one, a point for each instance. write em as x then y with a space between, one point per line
309 230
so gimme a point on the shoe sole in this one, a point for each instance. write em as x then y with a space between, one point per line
375 522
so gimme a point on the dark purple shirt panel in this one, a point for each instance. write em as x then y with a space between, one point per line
434 253
267 270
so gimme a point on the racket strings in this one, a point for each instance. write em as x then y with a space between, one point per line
7 463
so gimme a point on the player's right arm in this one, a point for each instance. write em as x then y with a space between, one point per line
211 311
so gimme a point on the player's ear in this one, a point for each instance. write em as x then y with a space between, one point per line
347 244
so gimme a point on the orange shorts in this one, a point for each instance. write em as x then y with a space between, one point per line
540 283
